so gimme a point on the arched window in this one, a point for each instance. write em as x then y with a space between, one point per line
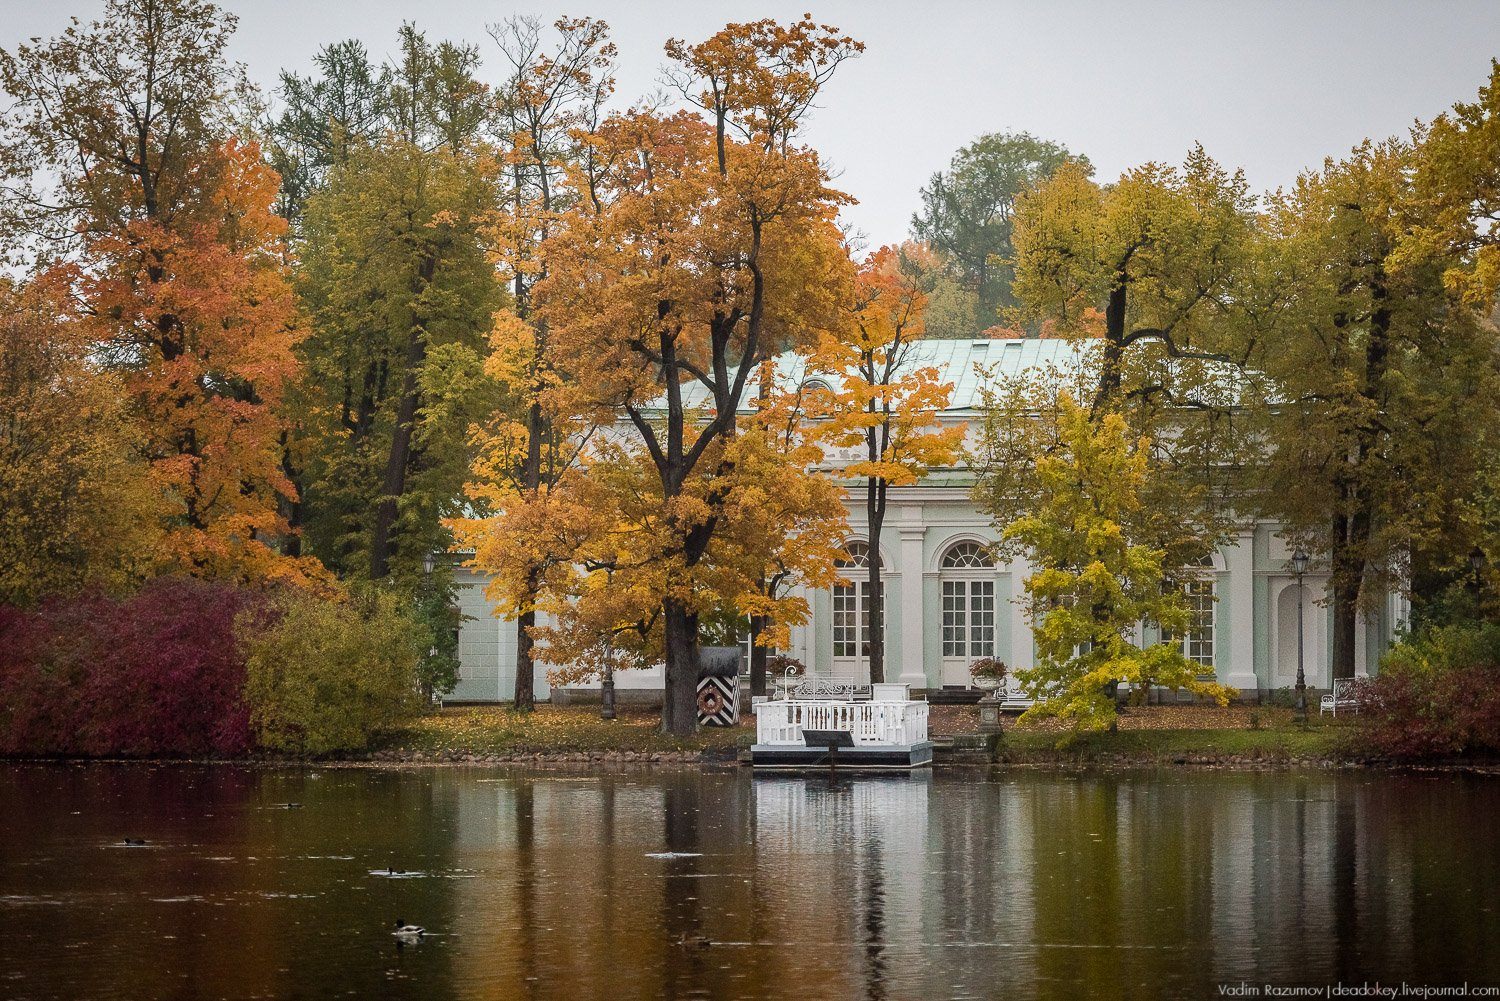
968 590
967 556
856 554
816 385
851 609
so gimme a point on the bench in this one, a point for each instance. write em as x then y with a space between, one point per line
1345 695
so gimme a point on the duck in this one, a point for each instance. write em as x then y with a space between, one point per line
694 941
407 933
134 842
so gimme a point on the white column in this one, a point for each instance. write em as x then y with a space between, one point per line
1239 559
912 600
1019 654
1361 629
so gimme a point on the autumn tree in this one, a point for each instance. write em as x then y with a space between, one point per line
785 520
1458 178
549 104
80 507
1149 276
887 406
398 285
123 166
1383 369
709 244
1094 583
967 218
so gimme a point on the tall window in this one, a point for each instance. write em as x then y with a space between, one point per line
851 605
968 601
1198 595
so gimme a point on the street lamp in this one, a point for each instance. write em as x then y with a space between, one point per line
1299 567
428 562
607 686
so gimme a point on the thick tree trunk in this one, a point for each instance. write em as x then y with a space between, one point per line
680 695
1111 376
525 690
875 516
382 544
1345 634
758 624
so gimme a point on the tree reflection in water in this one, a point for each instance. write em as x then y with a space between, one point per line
541 884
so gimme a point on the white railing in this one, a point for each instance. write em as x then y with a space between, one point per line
781 721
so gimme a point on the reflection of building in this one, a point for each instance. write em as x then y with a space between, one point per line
949 603
954 883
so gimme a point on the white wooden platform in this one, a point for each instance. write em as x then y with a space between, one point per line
886 734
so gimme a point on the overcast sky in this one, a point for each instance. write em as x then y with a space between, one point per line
1272 87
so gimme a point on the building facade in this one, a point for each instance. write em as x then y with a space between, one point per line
948 602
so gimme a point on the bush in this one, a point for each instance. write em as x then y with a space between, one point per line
325 676
155 674
1437 695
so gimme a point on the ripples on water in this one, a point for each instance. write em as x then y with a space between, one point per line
716 884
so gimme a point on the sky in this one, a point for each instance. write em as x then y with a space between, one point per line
1271 87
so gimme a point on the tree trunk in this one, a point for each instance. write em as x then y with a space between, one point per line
291 507
875 514
758 625
525 691
382 545
680 694
1111 364
1345 623
525 697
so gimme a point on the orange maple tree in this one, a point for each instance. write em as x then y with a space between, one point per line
887 406
122 163
707 243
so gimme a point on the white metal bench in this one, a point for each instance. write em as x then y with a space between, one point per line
819 686
1344 696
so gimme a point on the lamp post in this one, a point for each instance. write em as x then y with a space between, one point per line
607 685
429 562
1299 567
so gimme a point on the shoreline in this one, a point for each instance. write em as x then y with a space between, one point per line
1169 737
607 761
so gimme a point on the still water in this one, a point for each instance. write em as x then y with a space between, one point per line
584 885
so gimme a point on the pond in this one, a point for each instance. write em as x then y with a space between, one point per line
694 883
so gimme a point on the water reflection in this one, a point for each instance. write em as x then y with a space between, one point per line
717 884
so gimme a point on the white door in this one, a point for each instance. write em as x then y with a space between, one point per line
851 631
968 610
968 627
851 617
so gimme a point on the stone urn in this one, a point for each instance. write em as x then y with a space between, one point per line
986 683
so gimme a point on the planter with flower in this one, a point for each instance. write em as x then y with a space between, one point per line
988 673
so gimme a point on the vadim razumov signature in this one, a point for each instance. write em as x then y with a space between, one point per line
1244 989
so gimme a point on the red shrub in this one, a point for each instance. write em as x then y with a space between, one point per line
158 673
1439 713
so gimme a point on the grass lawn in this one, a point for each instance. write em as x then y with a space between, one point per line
1150 734
488 731
1025 745
1187 733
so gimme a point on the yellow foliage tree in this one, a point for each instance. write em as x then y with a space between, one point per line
1094 583
80 506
